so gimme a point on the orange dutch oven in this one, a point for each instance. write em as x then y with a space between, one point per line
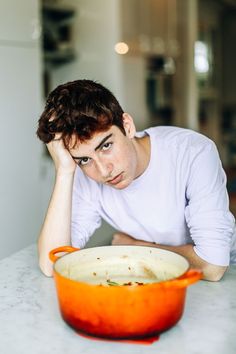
121 292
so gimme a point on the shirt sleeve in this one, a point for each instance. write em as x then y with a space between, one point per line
207 212
85 217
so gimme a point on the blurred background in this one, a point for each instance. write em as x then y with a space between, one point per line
169 62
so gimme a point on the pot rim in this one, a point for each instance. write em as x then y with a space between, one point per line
188 277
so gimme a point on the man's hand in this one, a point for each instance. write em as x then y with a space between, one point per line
63 161
120 238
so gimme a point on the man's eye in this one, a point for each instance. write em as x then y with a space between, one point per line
84 161
106 146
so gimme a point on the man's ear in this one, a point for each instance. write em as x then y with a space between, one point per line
128 125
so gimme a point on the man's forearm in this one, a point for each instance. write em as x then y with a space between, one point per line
56 228
211 272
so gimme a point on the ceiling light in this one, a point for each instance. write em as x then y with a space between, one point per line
121 48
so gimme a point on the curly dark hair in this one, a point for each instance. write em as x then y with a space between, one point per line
79 108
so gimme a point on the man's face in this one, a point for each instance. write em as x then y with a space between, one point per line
109 157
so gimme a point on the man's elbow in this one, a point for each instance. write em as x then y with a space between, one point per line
213 272
44 262
45 267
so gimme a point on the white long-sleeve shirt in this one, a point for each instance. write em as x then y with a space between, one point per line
180 198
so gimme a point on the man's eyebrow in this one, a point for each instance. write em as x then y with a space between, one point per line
103 141
96 148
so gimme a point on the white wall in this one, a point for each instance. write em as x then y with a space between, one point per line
20 104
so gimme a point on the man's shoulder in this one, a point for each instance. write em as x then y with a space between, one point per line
172 136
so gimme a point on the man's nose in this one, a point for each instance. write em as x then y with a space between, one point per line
105 169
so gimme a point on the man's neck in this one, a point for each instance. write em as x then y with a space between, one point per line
143 150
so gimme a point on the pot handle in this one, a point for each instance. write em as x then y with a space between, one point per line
190 277
68 249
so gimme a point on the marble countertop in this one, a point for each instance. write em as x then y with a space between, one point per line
30 321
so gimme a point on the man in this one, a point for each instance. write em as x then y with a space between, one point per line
164 187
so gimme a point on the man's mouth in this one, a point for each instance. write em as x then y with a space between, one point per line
116 179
